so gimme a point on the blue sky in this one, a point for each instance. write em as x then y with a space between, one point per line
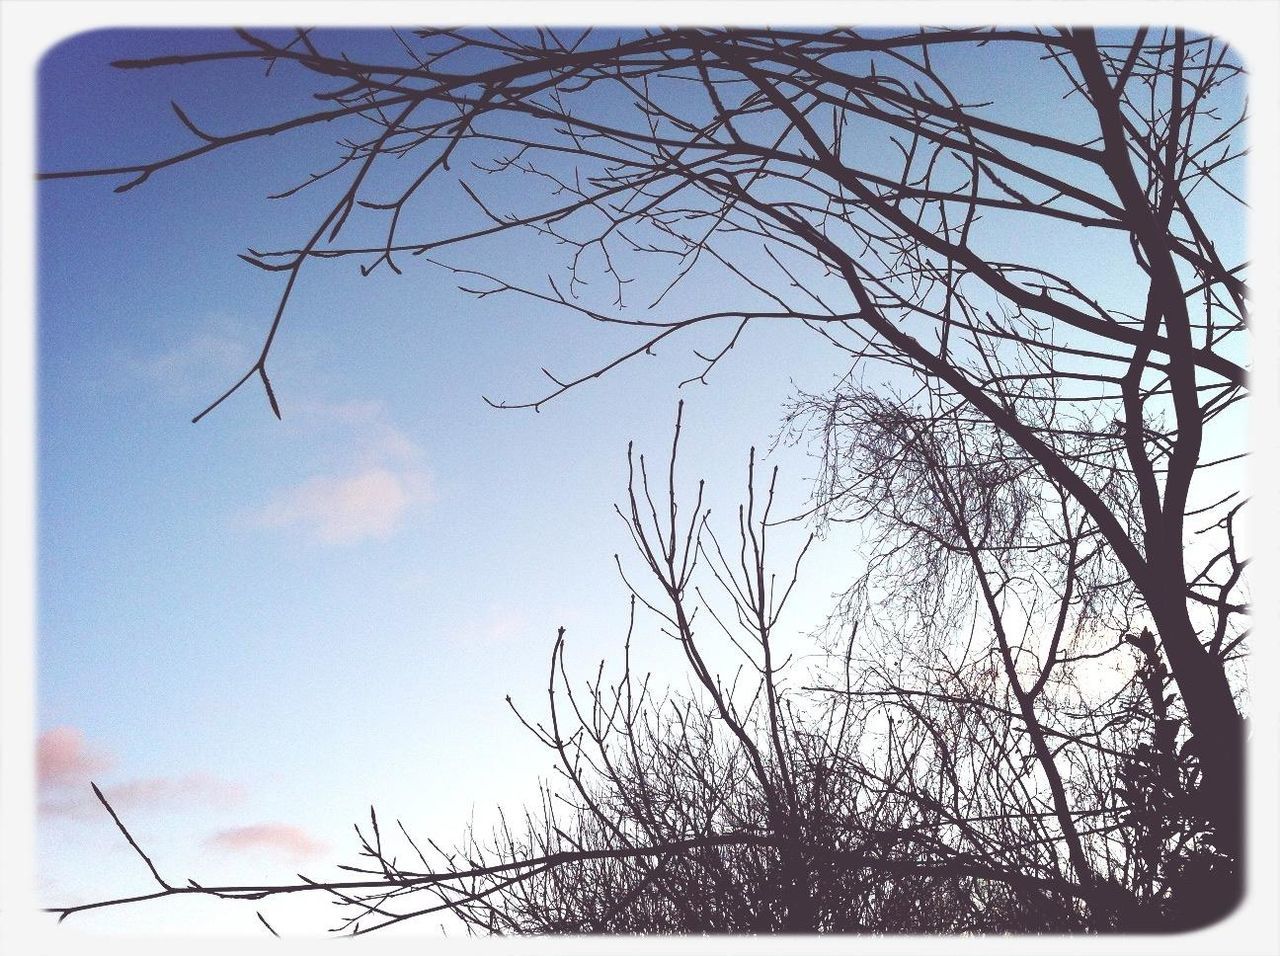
250 621
251 629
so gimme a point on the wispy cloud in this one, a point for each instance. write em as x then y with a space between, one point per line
340 509
371 498
280 839
202 788
381 477
207 360
66 764
497 625
503 624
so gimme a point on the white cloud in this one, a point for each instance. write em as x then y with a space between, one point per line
343 508
371 498
494 626
204 363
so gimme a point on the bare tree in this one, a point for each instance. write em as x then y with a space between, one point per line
892 193
919 784
999 589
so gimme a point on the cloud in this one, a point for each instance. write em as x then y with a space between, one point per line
76 801
65 765
502 624
498 625
205 361
340 509
276 838
198 788
62 758
371 498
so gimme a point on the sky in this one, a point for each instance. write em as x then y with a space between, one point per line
250 629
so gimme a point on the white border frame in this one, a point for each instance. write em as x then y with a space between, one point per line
28 28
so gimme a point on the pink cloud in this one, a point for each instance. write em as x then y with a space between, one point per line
338 509
65 765
62 758
278 838
145 793
198 788
382 479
